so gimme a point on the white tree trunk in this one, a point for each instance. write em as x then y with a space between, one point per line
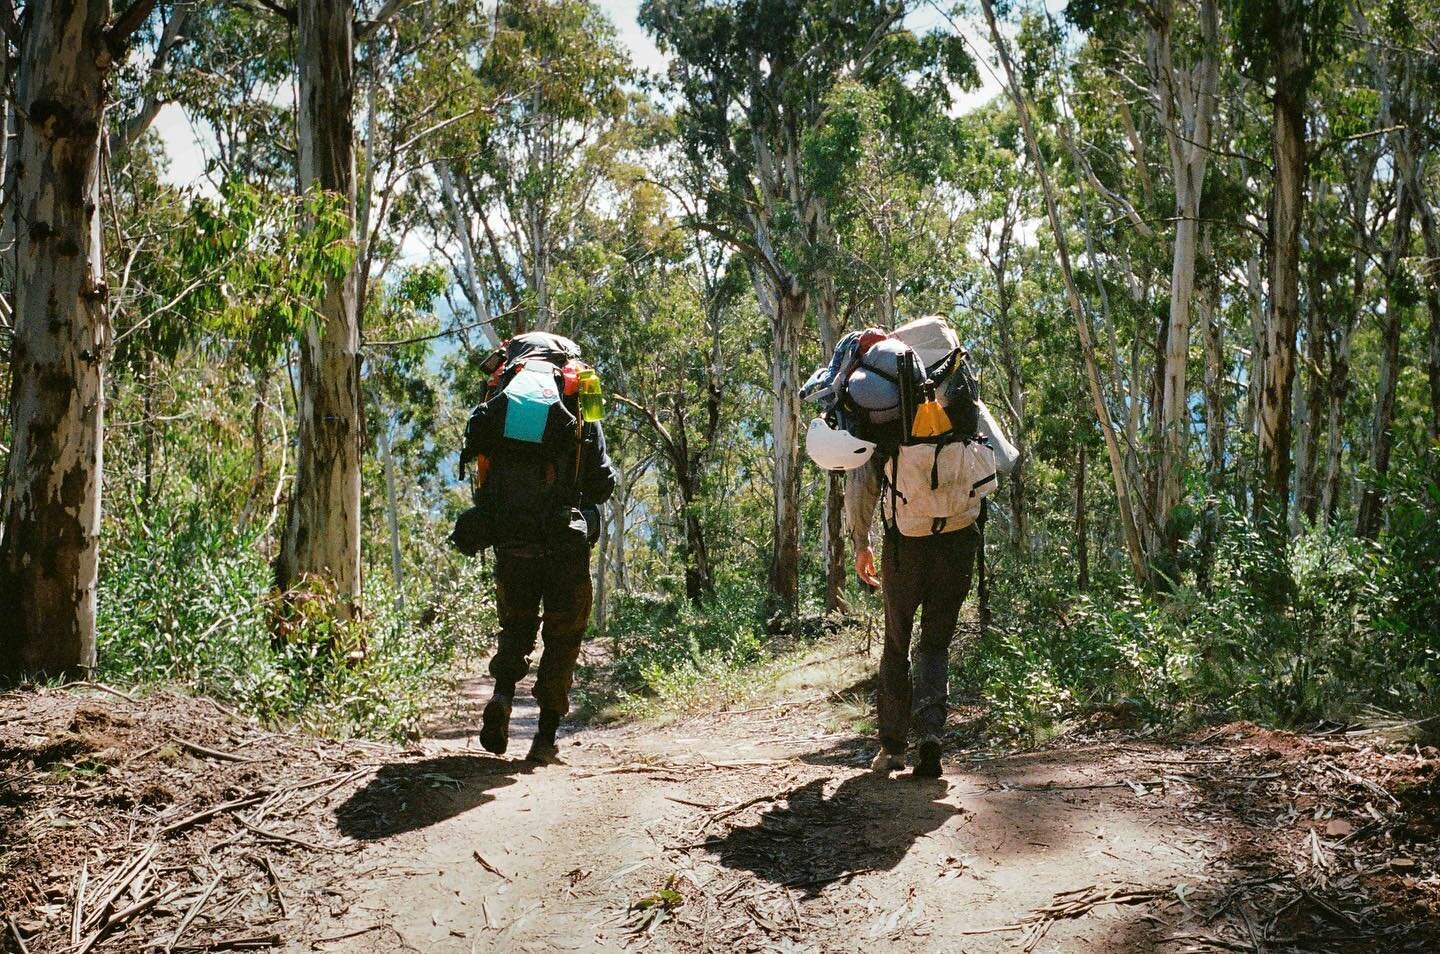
49 542
471 286
1128 528
392 516
1187 106
1283 319
322 532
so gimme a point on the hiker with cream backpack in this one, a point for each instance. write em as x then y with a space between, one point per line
901 414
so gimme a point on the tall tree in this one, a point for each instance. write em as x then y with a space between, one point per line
755 79
1282 43
322 528
49 541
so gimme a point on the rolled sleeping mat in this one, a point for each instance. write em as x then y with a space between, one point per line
1005 453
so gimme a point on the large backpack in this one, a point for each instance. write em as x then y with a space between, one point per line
874 386
530 433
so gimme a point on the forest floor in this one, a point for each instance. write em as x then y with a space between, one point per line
168 824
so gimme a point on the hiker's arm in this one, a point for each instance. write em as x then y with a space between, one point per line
477 439
597 473
862 493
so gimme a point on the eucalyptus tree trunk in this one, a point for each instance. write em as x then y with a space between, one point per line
322 530
1338 342
787 328
474 293
1430 280
1128 528
601 584
1187 108
392 515
1367 522
1216 426
1082 534
1287 208
1309 398
833 530
49 539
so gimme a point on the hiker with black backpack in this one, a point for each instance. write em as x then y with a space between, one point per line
540 474
902 417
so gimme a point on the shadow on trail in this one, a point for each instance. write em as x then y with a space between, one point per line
406 796
867 824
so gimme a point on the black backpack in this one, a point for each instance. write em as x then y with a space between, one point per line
530 434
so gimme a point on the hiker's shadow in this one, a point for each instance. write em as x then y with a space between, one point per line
810 841
405 796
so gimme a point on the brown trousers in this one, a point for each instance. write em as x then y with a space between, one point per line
525 580
931 575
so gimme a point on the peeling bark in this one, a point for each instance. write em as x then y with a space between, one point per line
322 530
49 542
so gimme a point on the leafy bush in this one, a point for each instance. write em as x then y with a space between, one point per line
186 599
1358 630
664 646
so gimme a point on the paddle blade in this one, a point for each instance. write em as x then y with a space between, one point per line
930 420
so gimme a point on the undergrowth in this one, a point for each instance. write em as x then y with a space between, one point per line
1356 634
186 599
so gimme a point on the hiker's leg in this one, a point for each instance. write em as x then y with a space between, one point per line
901 591
518 588
951 560
567 613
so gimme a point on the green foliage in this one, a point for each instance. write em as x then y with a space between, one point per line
664 644
1357 634
186 599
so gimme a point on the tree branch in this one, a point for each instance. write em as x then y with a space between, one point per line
364 29
125 25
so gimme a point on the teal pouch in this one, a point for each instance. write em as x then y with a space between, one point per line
529 397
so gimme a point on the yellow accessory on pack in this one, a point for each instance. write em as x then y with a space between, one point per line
592 401
930 418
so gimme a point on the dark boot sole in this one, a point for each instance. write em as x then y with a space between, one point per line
927 760
495 727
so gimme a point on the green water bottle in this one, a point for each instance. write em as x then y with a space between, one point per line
592 402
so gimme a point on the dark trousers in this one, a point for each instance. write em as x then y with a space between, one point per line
524 581
932 573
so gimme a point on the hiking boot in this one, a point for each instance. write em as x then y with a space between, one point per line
886 762
927 758
544 752
495 725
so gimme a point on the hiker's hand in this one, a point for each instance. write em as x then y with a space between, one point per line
865 568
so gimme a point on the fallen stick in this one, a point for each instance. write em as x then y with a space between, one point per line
348 934
347 777
77 914
212 811
278 836
210 753
120 917
15 933
252 942
275 881
489 867
190 914
102 688
127 874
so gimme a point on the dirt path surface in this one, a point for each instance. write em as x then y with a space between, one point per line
761 829
145 827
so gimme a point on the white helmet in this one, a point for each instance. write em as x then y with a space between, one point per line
834 449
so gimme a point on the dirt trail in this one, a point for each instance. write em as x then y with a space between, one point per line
752 829
772 835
